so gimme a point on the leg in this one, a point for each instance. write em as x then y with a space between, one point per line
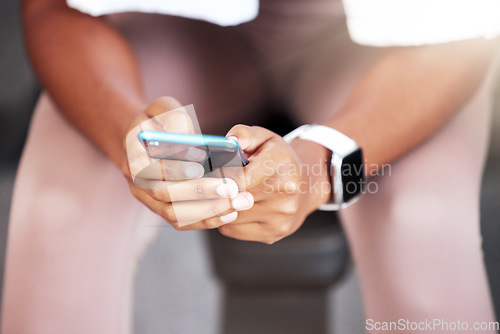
68 202
416 241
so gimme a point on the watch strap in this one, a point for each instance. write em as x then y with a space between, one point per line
340 145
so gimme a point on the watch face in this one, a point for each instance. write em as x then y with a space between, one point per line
353 175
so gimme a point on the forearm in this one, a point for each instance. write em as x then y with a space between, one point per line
87 68
405 98
409 95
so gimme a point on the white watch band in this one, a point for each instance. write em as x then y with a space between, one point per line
340 145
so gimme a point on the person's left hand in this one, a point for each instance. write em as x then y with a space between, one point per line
284 181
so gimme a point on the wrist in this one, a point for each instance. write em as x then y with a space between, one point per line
315 172
129 118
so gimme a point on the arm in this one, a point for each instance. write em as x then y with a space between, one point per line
91 74
405 98
409 95
88 69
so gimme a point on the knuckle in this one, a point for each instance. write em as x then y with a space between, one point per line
270 240
240 128
134 190
211 223
177 227
273 135
292 167
292 185
241 131
272 144
225 230
166 102
169 214
217 209
281 230
155 193
199 191
125 168
290 209
274 233
170 101
178 116
163 100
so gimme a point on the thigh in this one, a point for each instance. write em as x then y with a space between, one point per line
416 239
75 233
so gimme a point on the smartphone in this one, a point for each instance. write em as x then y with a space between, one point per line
220 151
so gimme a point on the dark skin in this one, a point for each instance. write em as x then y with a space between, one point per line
393 108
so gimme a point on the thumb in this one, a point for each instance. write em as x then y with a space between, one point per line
163 114
250 138
167 114
161 105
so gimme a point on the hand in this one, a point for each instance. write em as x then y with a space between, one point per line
175 189
288 182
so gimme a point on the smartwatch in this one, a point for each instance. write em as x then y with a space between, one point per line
346 168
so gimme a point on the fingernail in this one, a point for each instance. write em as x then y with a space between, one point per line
243 201
229 218
195 154
194 171
228 189
241 143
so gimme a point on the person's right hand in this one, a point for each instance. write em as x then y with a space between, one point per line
175 189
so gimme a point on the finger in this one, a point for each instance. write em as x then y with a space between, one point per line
269 210
174 151
244 201
164 114
170 170
272 189
170 114
234 173
161 105
272 166
191 190
159 111
250 138
189 212
140 154
209 223
274 227
160 208
248 232
137 156
181 214
259 212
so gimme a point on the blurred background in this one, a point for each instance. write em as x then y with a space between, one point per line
172 297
